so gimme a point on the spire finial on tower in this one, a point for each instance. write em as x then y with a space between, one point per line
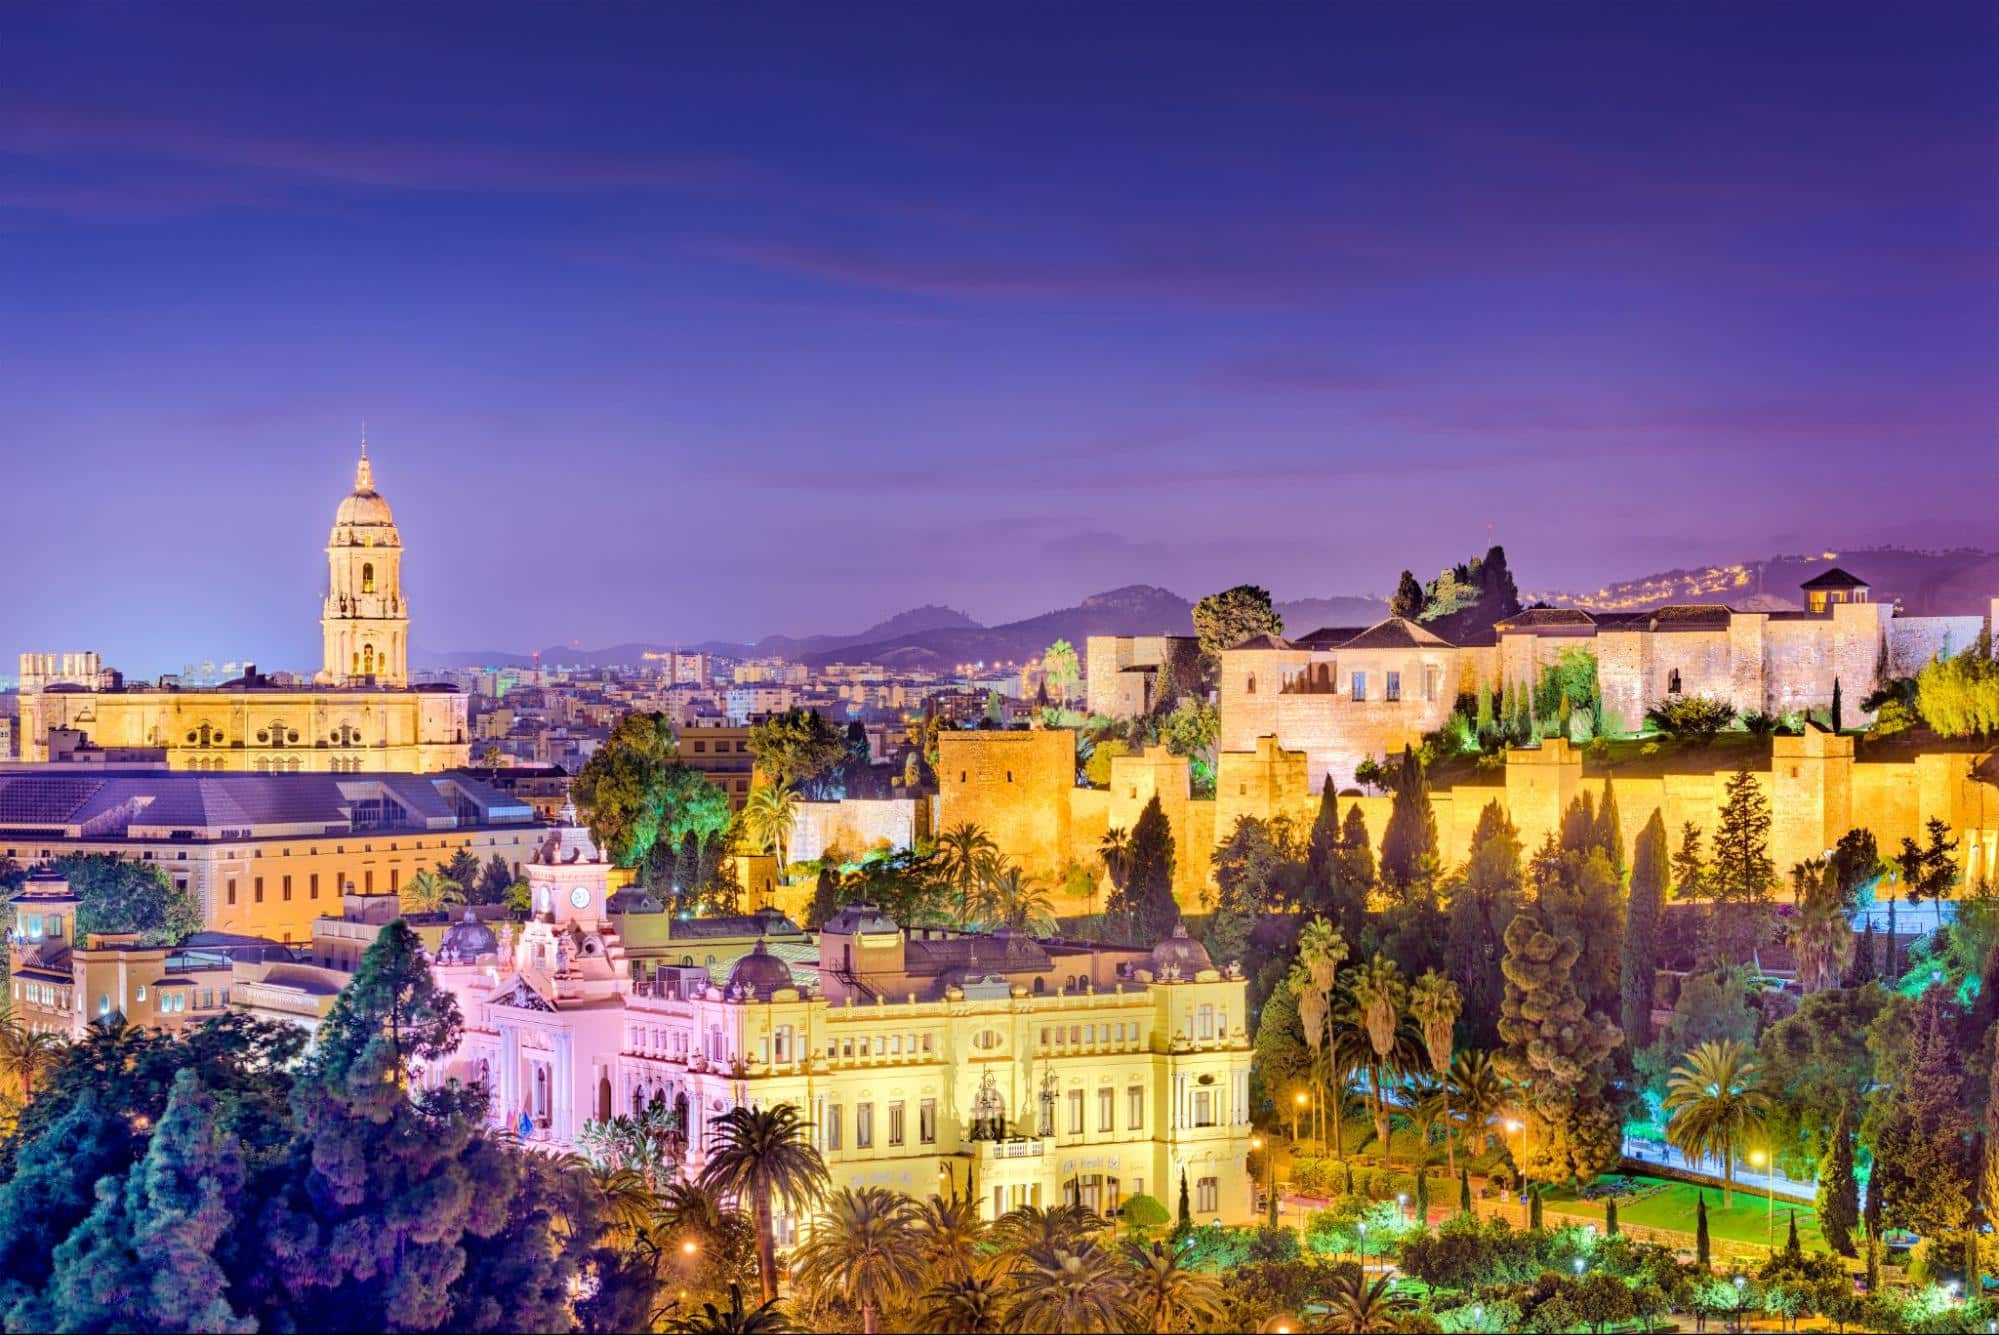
364 475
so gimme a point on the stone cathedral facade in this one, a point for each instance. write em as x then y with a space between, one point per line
359 715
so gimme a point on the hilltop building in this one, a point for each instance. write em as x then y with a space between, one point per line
360 715
1346 695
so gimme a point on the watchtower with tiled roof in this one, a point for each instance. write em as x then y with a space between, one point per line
1822 591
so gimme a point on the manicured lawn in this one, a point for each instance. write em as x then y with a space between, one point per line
1673 1208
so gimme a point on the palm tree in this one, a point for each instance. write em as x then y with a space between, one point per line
965 855
762 1155
1320 952
1378 994
1114 852
1821 935
967 1306
1356 1306
1029 1226
1080 1288
1434 1004
768 814
1168 1296
1017 902
865 1248
431 891
712 1320
949 1233
25 1053
627 1202
1715 1107
1477 1091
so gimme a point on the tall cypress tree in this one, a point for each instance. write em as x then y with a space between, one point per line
1464 1191
1639 966
1610 1216
1186 1205
1146 898
1609 834
1409 844
1322 850
1355 881
1839 1190
1742 872
1482 901
1701 1245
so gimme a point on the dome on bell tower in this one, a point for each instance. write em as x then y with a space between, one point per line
364 621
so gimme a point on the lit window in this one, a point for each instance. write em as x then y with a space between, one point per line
1360 686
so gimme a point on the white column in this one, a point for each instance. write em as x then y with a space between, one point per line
564 1075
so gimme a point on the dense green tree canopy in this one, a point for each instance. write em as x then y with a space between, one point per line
1224 620
116 895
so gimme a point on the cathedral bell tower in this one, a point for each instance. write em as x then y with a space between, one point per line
365 621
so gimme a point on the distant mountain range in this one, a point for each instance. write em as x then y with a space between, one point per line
931 637
1952 583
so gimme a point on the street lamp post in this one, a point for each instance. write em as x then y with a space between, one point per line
1513 1125
1269 1171
1758 1159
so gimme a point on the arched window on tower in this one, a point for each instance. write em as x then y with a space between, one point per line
368 577
368 660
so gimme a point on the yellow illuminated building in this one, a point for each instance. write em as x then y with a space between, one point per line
1019 1071
360 715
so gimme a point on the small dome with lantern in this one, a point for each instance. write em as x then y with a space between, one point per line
758 976
467 941
1181 954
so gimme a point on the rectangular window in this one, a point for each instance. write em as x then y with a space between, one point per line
832 1126
926 1121
1394 691
368 881
232 889
864 1126
257 889
1359 686
1106 1110
395 879
1204 1022
1204 1107
312 886
1207 1195
895 1123
1432 683
1135 1109
285 888
1075 1112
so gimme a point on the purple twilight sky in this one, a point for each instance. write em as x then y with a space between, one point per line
676 321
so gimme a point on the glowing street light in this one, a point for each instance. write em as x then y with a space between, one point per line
1758 1158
